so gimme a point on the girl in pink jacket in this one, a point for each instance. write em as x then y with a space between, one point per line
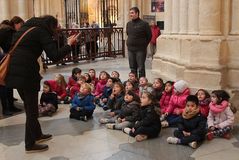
177 103
220 119
103 77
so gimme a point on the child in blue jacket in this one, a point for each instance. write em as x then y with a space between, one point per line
82 105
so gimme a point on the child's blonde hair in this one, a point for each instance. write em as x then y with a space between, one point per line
61 80
87 86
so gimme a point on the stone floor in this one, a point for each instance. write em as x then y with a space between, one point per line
77 140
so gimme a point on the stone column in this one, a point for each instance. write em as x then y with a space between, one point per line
42 3
168 16
183 16
210 17
133 3
175 16
235 17
23 9
37 8
126 11
193 16
4 11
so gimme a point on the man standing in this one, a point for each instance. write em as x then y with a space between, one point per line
155 33
139 36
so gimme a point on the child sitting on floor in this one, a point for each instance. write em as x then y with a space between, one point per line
204 100
220 119
158 88
59 86
177 103
129 112
191 125
164 101
144 86
82 106
148 125
48 101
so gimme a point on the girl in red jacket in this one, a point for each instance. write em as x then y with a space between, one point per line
204 100
59 86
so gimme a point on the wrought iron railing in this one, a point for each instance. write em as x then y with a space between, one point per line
92 43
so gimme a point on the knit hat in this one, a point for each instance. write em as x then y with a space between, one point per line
180 86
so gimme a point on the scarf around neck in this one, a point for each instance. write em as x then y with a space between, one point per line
218 108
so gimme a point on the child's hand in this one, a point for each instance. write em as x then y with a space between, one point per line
212 128
177 111
59 97
123 119
186 133
104 100
132 130
112 114
112 96
119 120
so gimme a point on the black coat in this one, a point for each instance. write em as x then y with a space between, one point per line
6 34
139 35
49 97
148 118
195 125
130 111
24 69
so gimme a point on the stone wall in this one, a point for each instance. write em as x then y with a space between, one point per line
200 43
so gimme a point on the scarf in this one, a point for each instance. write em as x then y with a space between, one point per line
205 102
218 108
187 113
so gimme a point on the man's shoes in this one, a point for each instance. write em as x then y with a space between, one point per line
44 137
15 109
37 148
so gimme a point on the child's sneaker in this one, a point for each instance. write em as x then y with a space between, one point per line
210 136
83 118
110 126
172 140
193 144
227 136
103 120
164 124
140 138
127 130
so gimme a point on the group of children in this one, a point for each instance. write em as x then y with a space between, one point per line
140 108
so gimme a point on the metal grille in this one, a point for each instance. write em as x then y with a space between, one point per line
109 12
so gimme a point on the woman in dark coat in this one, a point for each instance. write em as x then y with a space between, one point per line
7 30
23 73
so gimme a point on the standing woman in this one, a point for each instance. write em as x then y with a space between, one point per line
7 30
23 73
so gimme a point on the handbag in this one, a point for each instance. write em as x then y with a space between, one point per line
4 64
